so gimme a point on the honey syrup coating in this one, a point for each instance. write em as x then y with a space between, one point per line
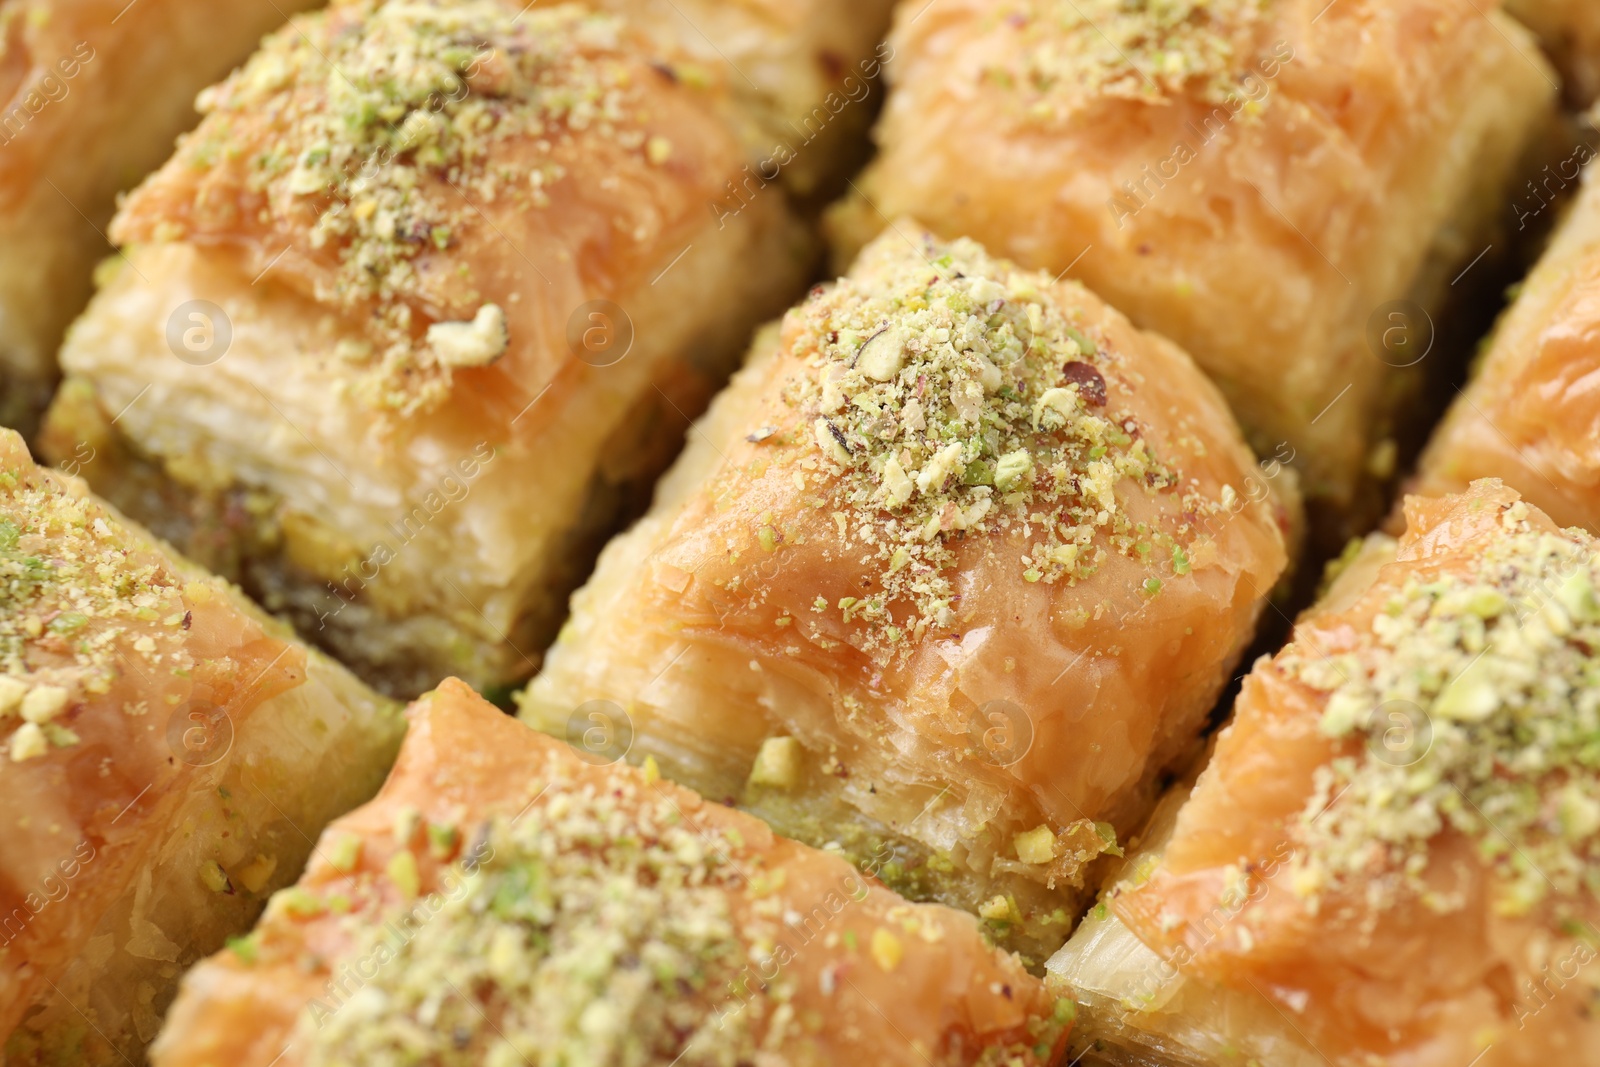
92 93
1394 842
477 242
1254 179
957 565
505 897
1528 417
159 741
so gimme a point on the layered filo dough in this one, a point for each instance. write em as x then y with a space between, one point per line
803 72
1392 856
951 572
427 296
505 901
1570 30
1255 179
92 92
167 756
1530 413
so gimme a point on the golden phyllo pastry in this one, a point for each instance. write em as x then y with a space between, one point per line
167 755
801 70
1529 416
92 92
1259 180
1394 855
1570 29
507 901
409 316
953 570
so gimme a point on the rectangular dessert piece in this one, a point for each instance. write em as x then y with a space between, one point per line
167 756
955 569
1530 415
506 900
1392 856
407 321
1262 181
92 92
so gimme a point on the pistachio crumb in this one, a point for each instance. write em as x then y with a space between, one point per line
1142 51
778 763
28 742
886 949
213 877
44 703
969 397
1036 846
12 691
393 119
255 874
1475 697
588 926
471 344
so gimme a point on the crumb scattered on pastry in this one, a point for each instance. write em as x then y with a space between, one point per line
950 393
1502 664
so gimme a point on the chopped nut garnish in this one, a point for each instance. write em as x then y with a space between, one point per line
344 852
1037 845
1478 699
213 877
778 764
886 949
586 931
1143 51
471 344
995 909
393 117
255 874
11 693
402 871
28 742
75 592
951 394
44 703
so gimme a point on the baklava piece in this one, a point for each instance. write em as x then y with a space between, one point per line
950 574
92 92
1394 856
505 901
1531 413
413 315
167 756
1266 182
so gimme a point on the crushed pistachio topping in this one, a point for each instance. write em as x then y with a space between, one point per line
471 344
1139 49
76 605
1494 683
779 763
953 395
392 113
598 928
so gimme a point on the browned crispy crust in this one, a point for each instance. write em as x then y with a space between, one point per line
92 93
1371 971
1256 190
497 456
1531 413
724 620
869 979
149 813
